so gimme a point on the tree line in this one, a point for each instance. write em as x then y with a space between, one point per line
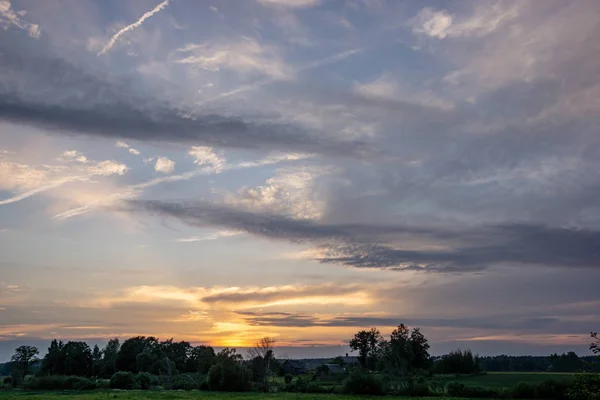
145 357
398 364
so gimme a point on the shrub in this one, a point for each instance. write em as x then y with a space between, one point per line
585 387
122 380
363 383
228 376
204 385
185 382
420 389
552 389
314 387
456 389
523 390
60 382
288 378
144 380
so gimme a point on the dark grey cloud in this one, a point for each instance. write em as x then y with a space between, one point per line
281 319
512 323
370 246
57 96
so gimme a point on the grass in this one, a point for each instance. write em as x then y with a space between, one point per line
503 379
193 395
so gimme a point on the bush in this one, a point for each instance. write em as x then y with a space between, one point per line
363 383
60 382
288 378
420 390
523 390
314 387
185 382
456 389
228 376
144 380
551 389
585 387
204 385
122 380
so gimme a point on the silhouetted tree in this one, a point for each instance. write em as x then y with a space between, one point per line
263 356
457 362
595 346
97 362
109 357
53 362
22 359
78 359
420 350
200 359
398 353
128 353
368 344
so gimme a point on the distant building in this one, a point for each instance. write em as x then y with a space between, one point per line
293 367
350 361
330 372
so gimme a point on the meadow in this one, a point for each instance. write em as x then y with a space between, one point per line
172 395
493 380
496 380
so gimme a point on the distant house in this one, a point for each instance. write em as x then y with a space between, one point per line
330 372
293 367
350 361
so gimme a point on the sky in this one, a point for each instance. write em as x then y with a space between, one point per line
218 171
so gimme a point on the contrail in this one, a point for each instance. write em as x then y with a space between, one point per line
40 189
128 28
311 65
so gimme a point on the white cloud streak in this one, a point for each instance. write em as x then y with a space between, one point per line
131 27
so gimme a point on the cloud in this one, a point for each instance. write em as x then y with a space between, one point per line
11 18
164 165
306 67
372 246
486 18
208 162
290 192
113 113
72 155
205 157
244 56
215 236
113 40
121 144
134 151
28 180
290 3
289 295
387 88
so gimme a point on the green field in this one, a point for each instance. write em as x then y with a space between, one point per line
503 379
140 395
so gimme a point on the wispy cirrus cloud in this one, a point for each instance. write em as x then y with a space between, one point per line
29 180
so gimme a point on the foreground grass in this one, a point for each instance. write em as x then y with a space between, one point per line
503 379
194 395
